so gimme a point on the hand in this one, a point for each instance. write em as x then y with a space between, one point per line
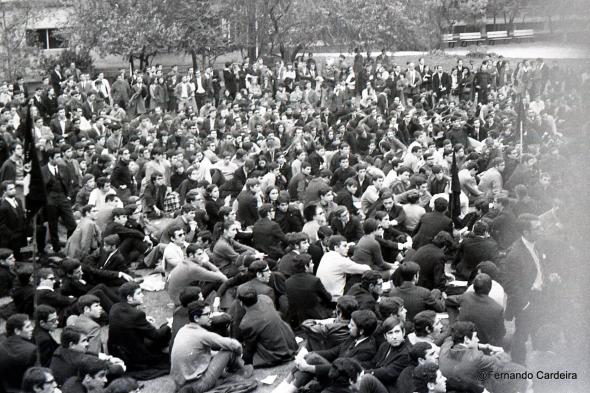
192 225
125 276
216 303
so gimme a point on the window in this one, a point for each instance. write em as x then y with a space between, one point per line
44 38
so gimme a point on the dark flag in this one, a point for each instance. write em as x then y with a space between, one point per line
35 193
455 194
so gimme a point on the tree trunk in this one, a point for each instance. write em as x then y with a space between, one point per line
194 59
252 30
203 61
132 62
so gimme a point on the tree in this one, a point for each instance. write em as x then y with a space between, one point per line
133 29
15 52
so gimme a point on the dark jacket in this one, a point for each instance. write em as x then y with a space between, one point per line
429 226
352 231
16 356
471 252
416 299
66 363
432 266
365 299
390 362
247 212
46 344
308 299
486 314
364 353
12 225
267 237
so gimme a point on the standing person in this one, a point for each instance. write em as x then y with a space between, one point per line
58 201
12 219
12 169
528 282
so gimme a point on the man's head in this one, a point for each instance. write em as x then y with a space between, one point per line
394 330
177 235
427 324
19 325
298 241
530 226
339 244
409 271
131 293
422 352
46 317
120 215
464 333
482 284
111 242
261 270
429 379
441 205
247 296
199 313
7 257
92 373
372 281
362 323
38 380
73 339
89 305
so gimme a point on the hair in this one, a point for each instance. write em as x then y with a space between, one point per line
344 370
15 321
424 320
34 377
68 265
264 210
119 212
112 240
497 162
483 205
370 225
195 309
257 267
43 312
44 273
173 229
351 182
418 351
408 270
188 295
370 277
90 366
101 181
346 304
128 289
413 197
391 322
335 241
69 336
441 205
248 296
295 238
110 197
301 262
460 330
423 375
5 253
365 320
482 284
480 228
87 301
122 385
389 306
403 169
443 239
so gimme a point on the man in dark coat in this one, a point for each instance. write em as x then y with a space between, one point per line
12 220
441 83
267 339
307 297
482 310
17 352
368 290
267 235
432 223
416 298
47 321
431 258
247 212
527 282
474 249
135 340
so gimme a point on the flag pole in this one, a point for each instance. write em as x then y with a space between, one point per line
35 278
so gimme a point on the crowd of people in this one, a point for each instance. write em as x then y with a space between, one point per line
277 202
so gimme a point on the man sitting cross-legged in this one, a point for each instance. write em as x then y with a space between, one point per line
194 368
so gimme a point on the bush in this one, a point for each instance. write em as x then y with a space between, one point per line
479 52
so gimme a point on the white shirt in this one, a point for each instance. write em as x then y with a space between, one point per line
496 293
538 283
332 272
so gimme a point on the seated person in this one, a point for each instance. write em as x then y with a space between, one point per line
193 367
462 357
268 340
38 380
415 298
335 265
419 353
427 327
331 332
392 356
186 296
24 291
46 294
7 276
66 360
17 352
429 379
346 375
306 295
479 308
92 377
360 346
46 318
85 239
367 291
226 249
133 242
73 283
298 244
195 268
109 258
136 340
87 323
173 251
